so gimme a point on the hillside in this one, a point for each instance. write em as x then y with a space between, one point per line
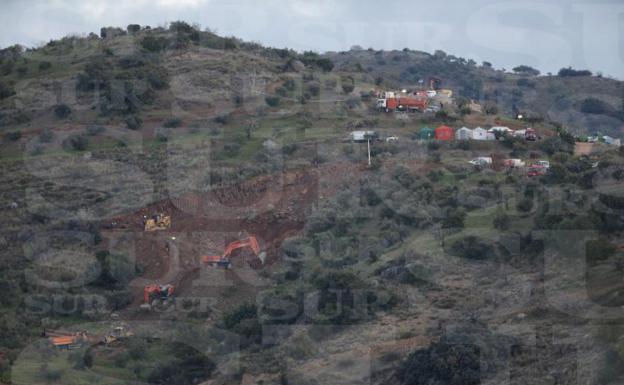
403 259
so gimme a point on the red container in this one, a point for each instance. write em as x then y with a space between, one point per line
444 133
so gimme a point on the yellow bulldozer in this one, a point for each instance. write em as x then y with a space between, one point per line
158 222
117 334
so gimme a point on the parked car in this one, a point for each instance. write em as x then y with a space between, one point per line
543 163
536 170
392 139
481 161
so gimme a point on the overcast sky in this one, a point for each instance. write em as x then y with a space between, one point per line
545 34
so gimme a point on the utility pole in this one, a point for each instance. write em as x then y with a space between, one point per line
368 145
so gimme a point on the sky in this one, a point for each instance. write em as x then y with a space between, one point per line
547 35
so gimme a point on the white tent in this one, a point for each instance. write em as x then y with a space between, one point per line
463 133
479 134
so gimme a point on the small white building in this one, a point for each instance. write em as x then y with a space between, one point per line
611 141
362 136
519 133
490 136
479 134
463 133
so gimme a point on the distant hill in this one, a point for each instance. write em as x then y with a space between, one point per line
560 97
141 76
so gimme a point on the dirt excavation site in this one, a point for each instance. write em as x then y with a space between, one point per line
270 208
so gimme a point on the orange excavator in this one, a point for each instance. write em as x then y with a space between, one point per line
157 292
224 260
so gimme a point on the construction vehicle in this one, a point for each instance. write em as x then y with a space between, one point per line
159 221
66 340
409 104
156 294
117 334
224 259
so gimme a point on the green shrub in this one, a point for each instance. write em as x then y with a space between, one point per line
154 44
46 135
51 374
94 129
472 247
525 205
131 61
595 106
45 65
599 250
133 28
185 366
454 218
137 348
243 312
501 221
347 87
281 91
76 142
62 111
172 122
443 363
290 84
223 119
325 64
272 101
6 90
313 88
134 122
13 136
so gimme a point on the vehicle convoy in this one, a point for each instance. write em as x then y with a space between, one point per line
156 294
158 221
224 259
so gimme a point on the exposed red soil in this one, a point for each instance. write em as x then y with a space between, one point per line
272 208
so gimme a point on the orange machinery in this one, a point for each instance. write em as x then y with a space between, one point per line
224 260
162 292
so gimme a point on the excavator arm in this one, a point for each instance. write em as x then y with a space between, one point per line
224 260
